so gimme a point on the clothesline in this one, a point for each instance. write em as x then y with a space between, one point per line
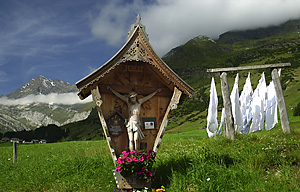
258 107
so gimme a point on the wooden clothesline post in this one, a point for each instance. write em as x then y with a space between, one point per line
285 123
229 128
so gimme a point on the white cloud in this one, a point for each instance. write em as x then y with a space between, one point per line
53 98
170 23
111 23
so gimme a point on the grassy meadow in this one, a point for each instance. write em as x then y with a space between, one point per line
187 161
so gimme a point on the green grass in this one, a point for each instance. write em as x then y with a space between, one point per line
68 166
187 161
264 161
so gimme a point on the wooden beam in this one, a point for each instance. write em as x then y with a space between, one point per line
172 105
242 68
229 128
98 102
285 123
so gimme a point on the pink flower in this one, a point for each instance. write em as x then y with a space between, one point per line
125 153
129 160
120 161
123 157
132 152
149 173
135 159
141 159
118 167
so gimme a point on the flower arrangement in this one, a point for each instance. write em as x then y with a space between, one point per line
137 163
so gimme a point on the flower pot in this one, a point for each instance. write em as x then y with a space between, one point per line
130 182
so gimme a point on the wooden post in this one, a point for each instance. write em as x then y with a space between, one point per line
14 151
229 128
285 123
172 105
98 102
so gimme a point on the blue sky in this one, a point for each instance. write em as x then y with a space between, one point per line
68 39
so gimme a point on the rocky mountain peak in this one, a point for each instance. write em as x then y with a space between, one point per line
42 85
38 108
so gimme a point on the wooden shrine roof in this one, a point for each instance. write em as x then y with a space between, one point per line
137 48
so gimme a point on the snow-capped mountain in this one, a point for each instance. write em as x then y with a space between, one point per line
42 85
39 102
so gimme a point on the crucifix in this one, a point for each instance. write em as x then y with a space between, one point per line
134 131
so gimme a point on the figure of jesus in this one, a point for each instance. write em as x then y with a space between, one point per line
134 107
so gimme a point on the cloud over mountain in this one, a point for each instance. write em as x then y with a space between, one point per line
170 23
53 98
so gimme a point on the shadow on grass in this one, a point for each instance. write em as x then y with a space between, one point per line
165 170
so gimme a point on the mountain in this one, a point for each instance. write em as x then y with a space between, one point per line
35 104
234 48
194 56
87 129
275 44
291 26
42 85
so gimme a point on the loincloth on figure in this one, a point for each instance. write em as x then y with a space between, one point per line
134 127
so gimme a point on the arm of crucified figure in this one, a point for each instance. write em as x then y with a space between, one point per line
144 99
122 97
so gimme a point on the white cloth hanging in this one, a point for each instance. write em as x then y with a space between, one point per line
212 122
271 108
258 105
222 121
236 109
245 101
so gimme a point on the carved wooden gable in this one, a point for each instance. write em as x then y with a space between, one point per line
137 49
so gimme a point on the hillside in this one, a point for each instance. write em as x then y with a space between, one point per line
238 48
87 129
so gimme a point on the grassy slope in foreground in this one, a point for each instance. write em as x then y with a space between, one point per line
263 161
